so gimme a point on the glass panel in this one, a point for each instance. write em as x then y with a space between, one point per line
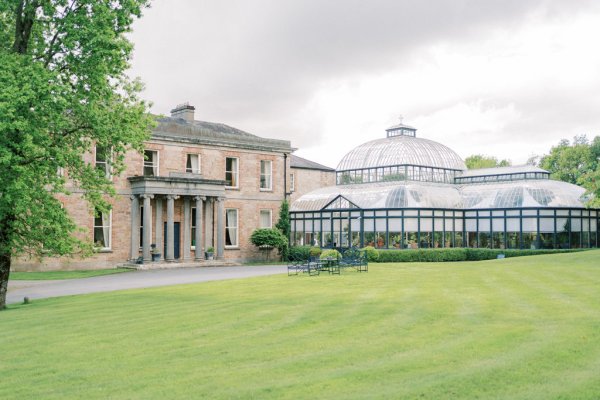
498 224
547 225
231 227
395 224
231 171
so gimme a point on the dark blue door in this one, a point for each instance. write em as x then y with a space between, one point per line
175 241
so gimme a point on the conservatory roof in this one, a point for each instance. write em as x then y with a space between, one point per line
517 169
531 193
382 195
401 150
412 194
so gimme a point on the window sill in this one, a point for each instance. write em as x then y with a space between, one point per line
107 250
266 190
232 188
232 248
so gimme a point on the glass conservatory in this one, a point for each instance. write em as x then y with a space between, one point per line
406 192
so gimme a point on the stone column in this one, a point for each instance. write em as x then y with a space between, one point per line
158 232
135 228
187 238
170 257
198 237
208 223
220 227
147 228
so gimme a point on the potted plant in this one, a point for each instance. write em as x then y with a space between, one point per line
155 252
210 252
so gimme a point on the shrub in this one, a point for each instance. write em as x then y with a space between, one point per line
331 253
372 253
270 237
456 254
315 251
299 253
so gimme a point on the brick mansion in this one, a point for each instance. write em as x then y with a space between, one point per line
198 186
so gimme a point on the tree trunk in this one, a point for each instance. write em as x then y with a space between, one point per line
4 273
5 257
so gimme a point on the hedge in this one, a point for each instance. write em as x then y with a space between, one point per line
458 254
298 253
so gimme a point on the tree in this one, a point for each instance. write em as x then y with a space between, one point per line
63 90
577 163
269 238
284 219
480 161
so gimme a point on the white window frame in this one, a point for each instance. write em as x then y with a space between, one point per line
190 170
235 174
103 227
228 226
260 213
106 167
151 163
292 182
267 176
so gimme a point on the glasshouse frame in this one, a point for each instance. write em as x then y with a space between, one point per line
405 228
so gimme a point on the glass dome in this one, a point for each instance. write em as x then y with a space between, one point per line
401 150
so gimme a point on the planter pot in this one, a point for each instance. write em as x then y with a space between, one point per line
209 256
156 257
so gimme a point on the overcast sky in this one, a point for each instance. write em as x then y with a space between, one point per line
507 78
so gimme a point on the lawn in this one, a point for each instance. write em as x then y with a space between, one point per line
54 275
519 328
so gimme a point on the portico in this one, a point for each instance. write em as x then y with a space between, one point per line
190 191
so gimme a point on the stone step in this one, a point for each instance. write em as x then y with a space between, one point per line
182 264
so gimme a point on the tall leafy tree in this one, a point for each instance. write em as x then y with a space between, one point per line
576 162
63 90
477 161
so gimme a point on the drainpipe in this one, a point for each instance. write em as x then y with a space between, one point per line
285 192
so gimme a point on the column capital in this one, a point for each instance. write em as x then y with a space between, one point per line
133 196
198 198
219 199
172 196
146 196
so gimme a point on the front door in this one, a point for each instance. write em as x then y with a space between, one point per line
175 241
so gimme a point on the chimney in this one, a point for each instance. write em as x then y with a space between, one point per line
184 111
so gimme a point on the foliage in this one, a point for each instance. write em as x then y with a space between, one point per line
577 163
372 253
298 253
284 219
514 329
458 254
267 237
330 253
284 227
315 251
480 161
210 249
63 90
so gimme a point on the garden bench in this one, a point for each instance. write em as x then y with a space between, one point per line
354 258
310 266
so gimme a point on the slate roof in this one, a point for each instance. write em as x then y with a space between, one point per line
303 163
212 133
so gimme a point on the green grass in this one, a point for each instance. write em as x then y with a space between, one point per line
519 328
54 275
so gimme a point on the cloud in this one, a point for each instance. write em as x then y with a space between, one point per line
326 72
